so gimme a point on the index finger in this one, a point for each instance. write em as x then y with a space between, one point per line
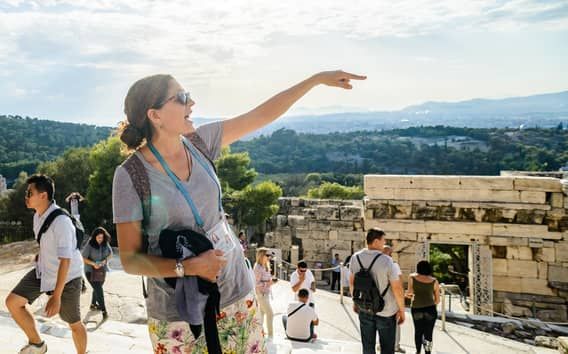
355 76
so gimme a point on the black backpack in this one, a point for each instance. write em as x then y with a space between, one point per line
79 230
366 293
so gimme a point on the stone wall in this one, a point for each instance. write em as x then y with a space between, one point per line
523 220
320 228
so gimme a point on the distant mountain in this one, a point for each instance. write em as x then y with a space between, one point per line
544 103
544 110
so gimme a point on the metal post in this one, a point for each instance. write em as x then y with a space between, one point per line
340 283
443 296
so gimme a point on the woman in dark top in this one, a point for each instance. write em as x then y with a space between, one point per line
424 291
96 255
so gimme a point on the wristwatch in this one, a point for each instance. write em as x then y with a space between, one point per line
180 269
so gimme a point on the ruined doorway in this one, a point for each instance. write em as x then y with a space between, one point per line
479 275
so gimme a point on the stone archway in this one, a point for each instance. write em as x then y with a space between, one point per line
481 273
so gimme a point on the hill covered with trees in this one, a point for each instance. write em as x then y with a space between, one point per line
415 150
25 142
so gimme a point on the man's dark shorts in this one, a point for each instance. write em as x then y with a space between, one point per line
70 311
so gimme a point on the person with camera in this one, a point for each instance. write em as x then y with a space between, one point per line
96 254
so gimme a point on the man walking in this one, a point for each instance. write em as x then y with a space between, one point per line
58 271
335 262
371 265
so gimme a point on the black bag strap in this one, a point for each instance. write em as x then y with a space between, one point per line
47 223
372 263
296 310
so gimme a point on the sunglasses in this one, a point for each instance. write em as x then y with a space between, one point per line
302 270
182 97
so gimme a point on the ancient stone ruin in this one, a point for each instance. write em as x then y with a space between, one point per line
515 229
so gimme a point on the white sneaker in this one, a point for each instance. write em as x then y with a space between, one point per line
34 349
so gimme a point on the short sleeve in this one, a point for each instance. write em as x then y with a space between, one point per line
392 273
294 278
311 278
353 265
314 315
126 205
212 136
64 232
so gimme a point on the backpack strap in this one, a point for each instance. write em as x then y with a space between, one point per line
296 310
47 223
372 263
198 142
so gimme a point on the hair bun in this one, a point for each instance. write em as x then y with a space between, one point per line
130 135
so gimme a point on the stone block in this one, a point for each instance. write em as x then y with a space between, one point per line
319 225
519 253
449 227
486 182
557 200
498 241
350 212
351 235
406 236
506 283
500 267
296 220
309 213
536 242
532 197
312 245
294 202
530 231
346 225
333 235
536 286
397 225
337 244
281 220
522 268
542 270
545 254
543 184
327 212
458 238
378 182
562 251
557 272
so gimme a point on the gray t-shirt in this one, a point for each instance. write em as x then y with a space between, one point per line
171 211
383 272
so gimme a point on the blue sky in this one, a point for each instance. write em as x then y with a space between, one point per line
73 60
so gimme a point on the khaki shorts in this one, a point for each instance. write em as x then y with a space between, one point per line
70 311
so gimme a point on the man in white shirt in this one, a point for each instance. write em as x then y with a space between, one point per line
58 271
387 250
302 278
301 319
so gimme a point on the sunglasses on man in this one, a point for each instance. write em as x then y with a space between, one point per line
181 97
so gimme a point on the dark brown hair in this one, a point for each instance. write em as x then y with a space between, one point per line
42 183
93 239
143 95
373 234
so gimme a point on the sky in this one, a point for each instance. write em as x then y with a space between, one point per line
74 60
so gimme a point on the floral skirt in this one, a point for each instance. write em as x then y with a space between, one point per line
239 325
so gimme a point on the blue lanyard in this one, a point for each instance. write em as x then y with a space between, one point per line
179 185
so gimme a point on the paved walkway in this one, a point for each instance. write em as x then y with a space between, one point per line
338 331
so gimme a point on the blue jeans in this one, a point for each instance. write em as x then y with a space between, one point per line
386 326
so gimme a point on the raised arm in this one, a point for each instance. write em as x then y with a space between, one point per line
274 107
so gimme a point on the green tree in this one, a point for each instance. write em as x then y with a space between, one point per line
234 170
329 190
13 207
70 172
104 158
255 204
